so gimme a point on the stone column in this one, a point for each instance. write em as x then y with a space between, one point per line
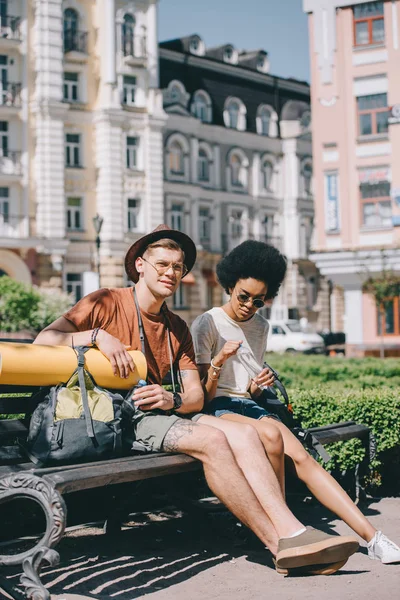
290 197
353 320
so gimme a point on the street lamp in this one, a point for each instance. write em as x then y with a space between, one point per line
97 224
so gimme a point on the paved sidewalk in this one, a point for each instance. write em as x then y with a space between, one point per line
167 556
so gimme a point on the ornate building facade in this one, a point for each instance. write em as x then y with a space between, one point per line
81 120
238 165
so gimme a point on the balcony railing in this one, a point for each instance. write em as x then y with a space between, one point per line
10 27
10 163
134 46
75 41
14 226
10 94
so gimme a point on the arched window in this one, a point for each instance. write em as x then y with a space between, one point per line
265 120
128 36
235 114
236 167
71 26
201 107
307 173
203 166
176 159
267 173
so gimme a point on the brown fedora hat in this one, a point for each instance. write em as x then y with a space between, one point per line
162 231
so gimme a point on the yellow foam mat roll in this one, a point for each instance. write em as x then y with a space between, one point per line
33 364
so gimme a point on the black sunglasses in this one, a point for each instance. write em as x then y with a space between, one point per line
245 299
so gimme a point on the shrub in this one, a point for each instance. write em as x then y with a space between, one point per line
28 307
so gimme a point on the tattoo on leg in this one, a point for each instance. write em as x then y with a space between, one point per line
174 435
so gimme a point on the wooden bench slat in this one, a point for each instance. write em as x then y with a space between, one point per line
338 434
136 469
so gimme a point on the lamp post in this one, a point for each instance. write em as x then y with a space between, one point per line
98 223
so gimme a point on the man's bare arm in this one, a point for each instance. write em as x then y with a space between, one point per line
155 397
64 333
193 396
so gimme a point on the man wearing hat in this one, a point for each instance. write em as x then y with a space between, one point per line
237 471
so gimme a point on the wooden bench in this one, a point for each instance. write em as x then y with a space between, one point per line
47 486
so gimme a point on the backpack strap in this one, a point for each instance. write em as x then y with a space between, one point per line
80 351
306 437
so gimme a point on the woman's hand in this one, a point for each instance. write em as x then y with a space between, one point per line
229 349
264 379
121 361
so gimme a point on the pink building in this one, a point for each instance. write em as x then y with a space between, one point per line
355 94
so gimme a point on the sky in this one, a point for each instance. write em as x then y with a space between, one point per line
277 26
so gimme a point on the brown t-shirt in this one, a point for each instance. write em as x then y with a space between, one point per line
114 311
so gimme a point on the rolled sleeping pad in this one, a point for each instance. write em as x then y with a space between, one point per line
34 364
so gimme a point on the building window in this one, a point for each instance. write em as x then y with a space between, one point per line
369 26
4 205
177 217
376 204
388 317
74 285
236 221
72 150
179 298
74 40
71 83
203 166
132 145
176 159
204 225
264 120
267 173
233 112
307 174
74 214
201 107
373 114
129 85
332 222
128 36
267 228
4 138
133 214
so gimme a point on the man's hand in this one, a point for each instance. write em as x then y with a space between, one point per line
264 379
152 397
121 361
229 349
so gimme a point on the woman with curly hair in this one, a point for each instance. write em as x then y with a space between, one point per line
252 274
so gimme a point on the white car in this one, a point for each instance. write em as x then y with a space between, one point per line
288 336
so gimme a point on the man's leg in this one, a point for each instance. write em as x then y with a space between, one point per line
226 479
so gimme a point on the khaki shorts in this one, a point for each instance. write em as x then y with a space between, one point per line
151 427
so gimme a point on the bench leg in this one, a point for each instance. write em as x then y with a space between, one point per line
30 487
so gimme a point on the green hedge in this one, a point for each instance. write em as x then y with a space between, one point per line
328 390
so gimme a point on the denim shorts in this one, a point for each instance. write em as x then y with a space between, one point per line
223 405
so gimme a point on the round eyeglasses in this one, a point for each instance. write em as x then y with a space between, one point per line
245 299
162 266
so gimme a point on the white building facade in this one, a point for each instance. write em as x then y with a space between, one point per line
81 125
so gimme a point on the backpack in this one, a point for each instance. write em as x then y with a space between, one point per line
76 421
269 400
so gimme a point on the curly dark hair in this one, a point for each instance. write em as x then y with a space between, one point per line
253 259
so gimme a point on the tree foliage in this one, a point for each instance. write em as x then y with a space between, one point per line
387 285
28 307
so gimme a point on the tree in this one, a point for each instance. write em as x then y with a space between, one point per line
28 307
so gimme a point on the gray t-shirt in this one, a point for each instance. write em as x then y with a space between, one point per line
212 329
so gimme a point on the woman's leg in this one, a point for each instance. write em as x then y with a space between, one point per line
321 484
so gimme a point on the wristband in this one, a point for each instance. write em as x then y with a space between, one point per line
214 366
93 337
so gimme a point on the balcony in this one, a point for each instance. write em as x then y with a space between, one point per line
10 95
10 164
134 49
10 29
15 226
75 41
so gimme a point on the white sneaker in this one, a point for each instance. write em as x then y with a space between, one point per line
383 549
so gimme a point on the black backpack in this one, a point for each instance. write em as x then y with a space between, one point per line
54 441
